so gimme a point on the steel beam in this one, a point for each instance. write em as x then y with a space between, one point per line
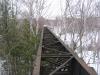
53 72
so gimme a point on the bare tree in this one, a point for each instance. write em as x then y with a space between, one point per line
34 12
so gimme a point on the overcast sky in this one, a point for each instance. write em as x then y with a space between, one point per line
56 7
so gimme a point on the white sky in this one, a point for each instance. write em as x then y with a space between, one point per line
55 9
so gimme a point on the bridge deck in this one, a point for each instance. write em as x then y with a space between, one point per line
57 59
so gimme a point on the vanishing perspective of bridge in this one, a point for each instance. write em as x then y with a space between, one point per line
55 58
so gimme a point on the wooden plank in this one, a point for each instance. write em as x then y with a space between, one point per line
36 70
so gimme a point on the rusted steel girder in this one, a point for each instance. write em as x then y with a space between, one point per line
59 67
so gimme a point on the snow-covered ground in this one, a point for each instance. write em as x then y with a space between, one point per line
1 68
88 56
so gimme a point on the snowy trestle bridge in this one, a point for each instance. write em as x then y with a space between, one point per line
55 58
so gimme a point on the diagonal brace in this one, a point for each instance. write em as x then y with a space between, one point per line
60 66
